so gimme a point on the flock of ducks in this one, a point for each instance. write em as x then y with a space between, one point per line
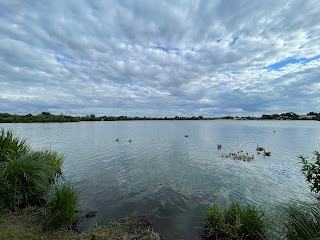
237 156
233 155
240 155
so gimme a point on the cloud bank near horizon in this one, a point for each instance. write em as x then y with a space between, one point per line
164 58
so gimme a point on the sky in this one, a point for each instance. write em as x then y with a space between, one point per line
160 58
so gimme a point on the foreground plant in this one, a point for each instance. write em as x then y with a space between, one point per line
300 220
236 222
311 171
11 146
61 207
25 175
24 180
53 159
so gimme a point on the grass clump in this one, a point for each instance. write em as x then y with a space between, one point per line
235 222
300 220
24 180
30 178
25 175
53 159
11 146
61 207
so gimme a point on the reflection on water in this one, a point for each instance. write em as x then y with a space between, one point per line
171 178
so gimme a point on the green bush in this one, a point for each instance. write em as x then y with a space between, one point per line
55 160
300 220
312 172
11 146
24 180
62 204
236 222
25 175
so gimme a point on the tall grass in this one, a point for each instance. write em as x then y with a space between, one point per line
11 146
62 204
25 175
24 180
235 222
53 159
300 220
29 177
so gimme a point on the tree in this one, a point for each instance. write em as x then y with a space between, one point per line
312 113
92 116
312 172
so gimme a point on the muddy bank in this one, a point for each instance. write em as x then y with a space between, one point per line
27 224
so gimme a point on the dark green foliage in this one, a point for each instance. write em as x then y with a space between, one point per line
61 207
53 159
312 172
25 175
11 146
24 180
236 222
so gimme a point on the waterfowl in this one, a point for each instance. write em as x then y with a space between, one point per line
259 148
266 153
117 140
130 141
218 146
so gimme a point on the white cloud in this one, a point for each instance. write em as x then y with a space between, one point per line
158 58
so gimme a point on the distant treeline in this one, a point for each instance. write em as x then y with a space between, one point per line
48 117
29 118
292 116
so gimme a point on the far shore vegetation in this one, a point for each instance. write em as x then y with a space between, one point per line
49 117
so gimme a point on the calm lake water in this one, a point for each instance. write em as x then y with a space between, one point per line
171 178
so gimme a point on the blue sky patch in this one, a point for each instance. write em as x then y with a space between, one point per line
291 60
60 59
167 49
234 40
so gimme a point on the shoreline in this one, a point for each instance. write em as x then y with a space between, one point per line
27 224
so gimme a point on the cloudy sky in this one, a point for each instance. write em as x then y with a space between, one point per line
160 58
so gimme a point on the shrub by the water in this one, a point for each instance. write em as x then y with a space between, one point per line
55 160
61 207
235 222
29 178
311 171
25 175
24 180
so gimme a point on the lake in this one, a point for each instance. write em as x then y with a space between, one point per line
171 178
